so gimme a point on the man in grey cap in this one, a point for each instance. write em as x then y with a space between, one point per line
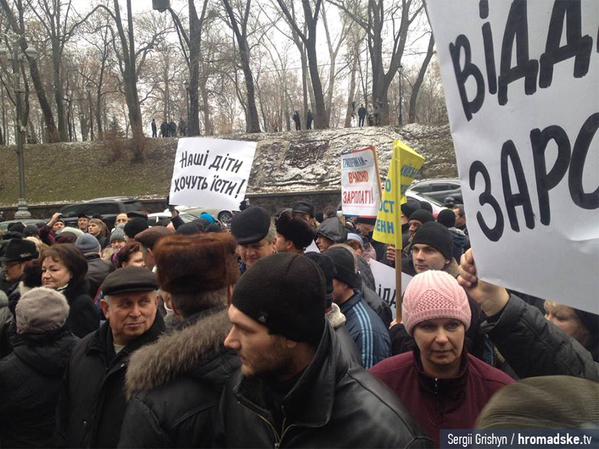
93 403
256 235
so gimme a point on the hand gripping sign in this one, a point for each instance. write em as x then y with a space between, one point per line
521 81
211 172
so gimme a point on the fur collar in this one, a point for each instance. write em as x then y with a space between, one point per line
176 353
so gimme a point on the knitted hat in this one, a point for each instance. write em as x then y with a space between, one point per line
436 236
251 225
286 293
410 206
135 225
432 295
70 230
422 215
88 244
447 218
546 402
191 228
355 237
151 236
196 263
41 310
31 230
325 263
118 235
345 265
295 229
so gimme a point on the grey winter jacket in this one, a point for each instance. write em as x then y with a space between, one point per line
533 346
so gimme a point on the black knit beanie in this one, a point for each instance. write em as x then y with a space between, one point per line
447 218
325 263
286 293
345 265
422 215
436 236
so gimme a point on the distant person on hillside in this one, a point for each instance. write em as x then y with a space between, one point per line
309 119
362 112
154 129
296 120
172 129
163 130
182 127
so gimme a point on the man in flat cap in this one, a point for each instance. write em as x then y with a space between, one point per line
256 235
296 386
16 253
93 402
305 211
148 239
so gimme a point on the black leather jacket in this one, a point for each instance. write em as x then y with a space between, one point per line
533 346
333 404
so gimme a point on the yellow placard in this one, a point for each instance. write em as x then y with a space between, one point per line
407 163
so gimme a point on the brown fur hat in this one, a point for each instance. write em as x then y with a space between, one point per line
294 229
196 263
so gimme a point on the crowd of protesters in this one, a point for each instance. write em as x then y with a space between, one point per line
271 334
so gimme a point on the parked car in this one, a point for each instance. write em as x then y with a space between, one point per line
223 215
26 221
438 189
105 208
164 218
437 206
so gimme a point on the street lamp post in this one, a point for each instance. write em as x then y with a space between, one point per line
16 59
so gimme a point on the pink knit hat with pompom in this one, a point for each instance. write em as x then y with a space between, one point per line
431 295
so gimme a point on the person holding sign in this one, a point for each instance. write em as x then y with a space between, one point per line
442 385
531 344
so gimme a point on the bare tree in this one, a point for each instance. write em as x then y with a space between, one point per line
309 39
420 79
18 27
372 21
239 24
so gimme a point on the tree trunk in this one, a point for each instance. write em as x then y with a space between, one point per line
59 92
420 79
195 42
351 103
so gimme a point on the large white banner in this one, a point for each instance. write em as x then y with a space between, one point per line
211 172
384 280
360 183
521 82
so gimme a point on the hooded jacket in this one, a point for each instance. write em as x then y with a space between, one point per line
176 383
30 380
334 403
92 401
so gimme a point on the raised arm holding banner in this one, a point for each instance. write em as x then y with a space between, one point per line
521 81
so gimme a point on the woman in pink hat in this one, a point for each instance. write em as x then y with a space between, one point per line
441 385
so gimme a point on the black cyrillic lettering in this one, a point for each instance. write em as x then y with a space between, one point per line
462 75
495 233
522 198
547 181
579 155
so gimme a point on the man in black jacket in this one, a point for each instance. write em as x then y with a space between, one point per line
92 403
296 388
177 381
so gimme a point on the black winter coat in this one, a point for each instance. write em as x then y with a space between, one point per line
533 346
92 402
177 383
30 381
83 316
335 403
97 270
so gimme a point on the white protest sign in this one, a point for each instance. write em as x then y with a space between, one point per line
360 184
211 172
313 248
384 281
521 82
